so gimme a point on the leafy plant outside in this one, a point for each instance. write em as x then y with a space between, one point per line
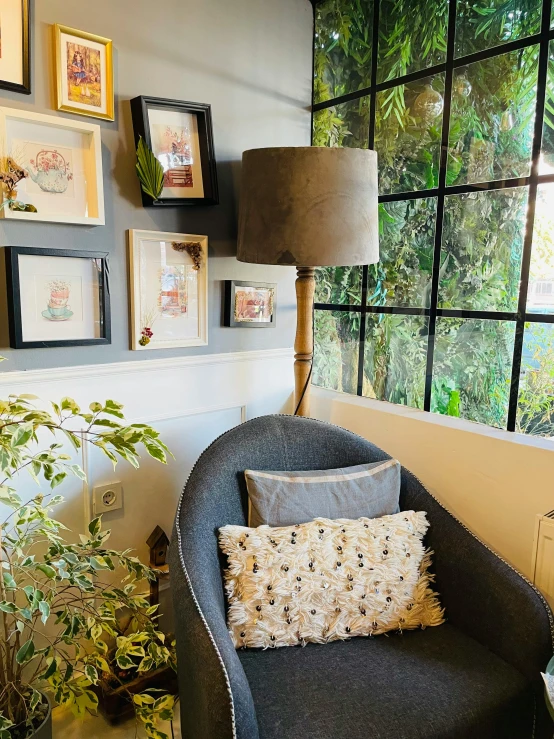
491 128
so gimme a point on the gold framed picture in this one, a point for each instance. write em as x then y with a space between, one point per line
84 73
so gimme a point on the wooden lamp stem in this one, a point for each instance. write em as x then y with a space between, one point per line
304 341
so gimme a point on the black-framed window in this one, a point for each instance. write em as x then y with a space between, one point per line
457 98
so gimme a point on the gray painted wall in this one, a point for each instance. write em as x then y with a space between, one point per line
252 60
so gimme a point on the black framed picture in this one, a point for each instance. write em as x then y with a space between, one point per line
15 40
180 135
249 304
57 297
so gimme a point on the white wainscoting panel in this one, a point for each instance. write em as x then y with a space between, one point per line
190 400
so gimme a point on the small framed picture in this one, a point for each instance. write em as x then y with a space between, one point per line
180 135
169 290
15 46
57 297
249 304
62 165
84 73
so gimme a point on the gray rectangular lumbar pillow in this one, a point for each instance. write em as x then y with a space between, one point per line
287 498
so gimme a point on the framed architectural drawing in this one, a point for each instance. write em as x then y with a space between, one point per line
169 290
62 160
180 135
15 45
84 73
57 297
249 304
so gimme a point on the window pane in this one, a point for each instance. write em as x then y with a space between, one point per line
406 241
482 24
482 247
536 390
342 62
339 285
408 129
546 164
411 36
395 358
472 369
346 124
493 112
540 297
336 350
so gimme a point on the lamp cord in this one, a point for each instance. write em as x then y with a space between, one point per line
309 378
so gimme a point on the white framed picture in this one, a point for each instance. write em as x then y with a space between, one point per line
169 289
62 163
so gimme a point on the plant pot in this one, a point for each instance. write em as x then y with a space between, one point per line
44 731
114 703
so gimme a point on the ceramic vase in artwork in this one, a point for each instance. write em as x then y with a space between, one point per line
50 171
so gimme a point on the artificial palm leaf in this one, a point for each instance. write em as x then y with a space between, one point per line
150 171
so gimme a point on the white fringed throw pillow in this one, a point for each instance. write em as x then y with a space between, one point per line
327 580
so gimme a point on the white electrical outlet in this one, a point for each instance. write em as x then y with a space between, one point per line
106 498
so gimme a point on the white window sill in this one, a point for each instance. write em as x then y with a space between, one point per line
321 396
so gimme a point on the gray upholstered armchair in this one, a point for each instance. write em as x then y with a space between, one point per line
475 677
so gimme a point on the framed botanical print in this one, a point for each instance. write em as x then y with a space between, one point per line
15 45
84 73
57 297
249 304
169 290
62 165
180 135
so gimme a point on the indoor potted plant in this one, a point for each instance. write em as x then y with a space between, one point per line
57 614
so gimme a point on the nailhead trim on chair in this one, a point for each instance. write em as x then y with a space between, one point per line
327 423
187 578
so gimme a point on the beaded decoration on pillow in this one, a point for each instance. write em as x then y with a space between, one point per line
327 580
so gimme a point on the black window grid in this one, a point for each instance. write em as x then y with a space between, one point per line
532 181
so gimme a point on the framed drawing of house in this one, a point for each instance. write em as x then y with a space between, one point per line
180 135
249 304
169 290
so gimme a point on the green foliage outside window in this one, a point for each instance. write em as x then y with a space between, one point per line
492 112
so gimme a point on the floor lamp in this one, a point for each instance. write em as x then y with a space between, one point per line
308 207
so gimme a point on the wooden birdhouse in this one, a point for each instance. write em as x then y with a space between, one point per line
158 544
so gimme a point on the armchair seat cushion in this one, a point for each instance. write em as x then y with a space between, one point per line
431 684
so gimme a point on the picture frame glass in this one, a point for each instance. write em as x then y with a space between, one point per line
175 141
84 75
60 165
12 62
169 295
60 298
253 304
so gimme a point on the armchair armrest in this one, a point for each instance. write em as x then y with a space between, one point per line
482 594
215 697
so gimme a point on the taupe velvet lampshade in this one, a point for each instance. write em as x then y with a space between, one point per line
309 206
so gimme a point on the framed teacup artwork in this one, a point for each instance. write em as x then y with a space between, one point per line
169 290
50 168
249 304
181 138
57 297
84 73
15 46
